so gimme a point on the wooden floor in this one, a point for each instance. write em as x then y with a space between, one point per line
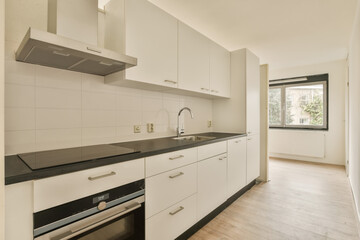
301 201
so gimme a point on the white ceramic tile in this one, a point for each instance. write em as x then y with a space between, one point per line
94 83
100 101
19 96
19 142
156 117
19 119
57 118
130 118
100 118
57 139
126 131
58 98
129 102
171 105
10 49
57 78
103 135
19 72
152 104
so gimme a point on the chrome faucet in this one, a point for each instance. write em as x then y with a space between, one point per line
178 130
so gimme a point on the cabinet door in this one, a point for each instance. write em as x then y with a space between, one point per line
151 37
252 94
19 211
219 71
193 60
236 168
211 184
253 158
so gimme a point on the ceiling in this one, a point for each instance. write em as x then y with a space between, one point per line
283 33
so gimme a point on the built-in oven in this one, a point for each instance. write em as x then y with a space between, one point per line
118 213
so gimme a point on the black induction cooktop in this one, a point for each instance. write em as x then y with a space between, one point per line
53 158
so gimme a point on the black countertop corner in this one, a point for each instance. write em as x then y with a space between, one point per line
17 171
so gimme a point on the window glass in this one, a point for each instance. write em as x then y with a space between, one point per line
275 106
299 104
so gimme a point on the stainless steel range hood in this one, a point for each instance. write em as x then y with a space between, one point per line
52 50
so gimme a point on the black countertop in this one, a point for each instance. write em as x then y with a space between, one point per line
17 171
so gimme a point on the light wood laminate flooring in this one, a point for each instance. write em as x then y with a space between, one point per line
302 201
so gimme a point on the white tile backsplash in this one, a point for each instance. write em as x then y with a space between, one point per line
49 108
22 96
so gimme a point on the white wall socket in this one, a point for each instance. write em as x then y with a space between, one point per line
137 129
150 127
209 123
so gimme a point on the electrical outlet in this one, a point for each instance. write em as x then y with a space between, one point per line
150 127
137 129
209 123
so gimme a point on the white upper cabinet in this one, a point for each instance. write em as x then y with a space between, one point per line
194 57
252 94
219 70
151 37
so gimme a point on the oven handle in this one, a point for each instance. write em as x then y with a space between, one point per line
77 231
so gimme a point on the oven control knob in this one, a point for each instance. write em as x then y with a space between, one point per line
101 205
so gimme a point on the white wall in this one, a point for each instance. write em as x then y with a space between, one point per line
2 193
335 136
354 110
48 108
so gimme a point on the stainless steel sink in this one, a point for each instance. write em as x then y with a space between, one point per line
193 138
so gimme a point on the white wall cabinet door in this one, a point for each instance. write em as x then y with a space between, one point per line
219 70
193 60
253 157
252 94
151 37
211 184
236 168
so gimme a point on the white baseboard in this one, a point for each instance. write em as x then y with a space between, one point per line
357 214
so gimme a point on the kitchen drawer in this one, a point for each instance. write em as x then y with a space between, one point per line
53 191
166 189
167 161
173 221
211 150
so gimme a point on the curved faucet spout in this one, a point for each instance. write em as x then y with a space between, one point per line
178 130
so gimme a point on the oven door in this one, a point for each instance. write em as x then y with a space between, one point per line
123 222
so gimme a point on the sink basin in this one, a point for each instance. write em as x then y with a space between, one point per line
193 138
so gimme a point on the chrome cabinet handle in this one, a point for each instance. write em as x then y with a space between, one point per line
93 49
170 81
102 176
222 158
205 89
61 54
78 231
249 132
249 139
177 157
237 141
176 175
176 211
214 91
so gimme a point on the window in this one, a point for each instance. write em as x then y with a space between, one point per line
299 102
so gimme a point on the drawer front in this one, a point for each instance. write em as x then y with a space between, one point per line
168 161
166 189
53 191
173 221
211 150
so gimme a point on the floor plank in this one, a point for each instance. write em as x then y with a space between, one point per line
301 201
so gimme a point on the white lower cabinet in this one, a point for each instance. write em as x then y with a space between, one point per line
236 168
252 157
19 211
173 221
211 184
168 188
